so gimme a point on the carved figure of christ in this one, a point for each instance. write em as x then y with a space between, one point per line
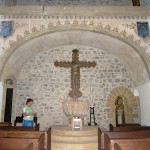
75 66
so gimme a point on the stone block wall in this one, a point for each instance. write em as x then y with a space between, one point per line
76 2
72 2
49 86
145 2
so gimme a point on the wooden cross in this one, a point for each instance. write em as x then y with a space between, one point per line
75 72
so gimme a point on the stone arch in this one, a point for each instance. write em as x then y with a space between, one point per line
129 40
131 104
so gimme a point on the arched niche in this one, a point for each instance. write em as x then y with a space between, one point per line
131 104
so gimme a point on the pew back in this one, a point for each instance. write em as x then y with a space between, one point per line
29 147
5 124
29 134
99 138
16 144
131 144
15 140
123 135
19 128
117 147
130 128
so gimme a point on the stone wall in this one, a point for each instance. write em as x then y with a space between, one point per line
145 2
49 86
76 2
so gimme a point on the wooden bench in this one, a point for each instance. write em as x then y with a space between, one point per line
29 135
122 135
2 124
116 147
29 147
128 128
127 124
127 143
13 147
22 142
99 138
19 128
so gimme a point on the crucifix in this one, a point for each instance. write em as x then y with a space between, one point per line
75 66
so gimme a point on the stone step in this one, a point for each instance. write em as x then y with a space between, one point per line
68 132
75 139
63 138
74 146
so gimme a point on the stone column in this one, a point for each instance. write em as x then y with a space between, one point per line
1 97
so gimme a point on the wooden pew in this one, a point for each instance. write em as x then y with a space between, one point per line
13 146
2 124
125 125
28 134
20 140
48 139
127 144
129 128
99 138
107 144
128 124
19 128
29 147
121 135
117 147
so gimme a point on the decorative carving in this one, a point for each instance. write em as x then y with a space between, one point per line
50 25
34 29
100 25
131 36
75 65
67 21
75 21
116 29
124 33
42 26
147 40
19 37
58 22
91 23
84 22
131 26
19 25
26 32
11 42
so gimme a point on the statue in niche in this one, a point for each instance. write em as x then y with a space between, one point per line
120 111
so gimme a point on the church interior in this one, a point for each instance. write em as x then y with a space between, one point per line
74 74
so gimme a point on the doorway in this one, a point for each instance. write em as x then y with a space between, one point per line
8 106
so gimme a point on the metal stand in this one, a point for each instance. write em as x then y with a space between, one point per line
92 114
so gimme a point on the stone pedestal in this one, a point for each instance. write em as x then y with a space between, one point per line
77 109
